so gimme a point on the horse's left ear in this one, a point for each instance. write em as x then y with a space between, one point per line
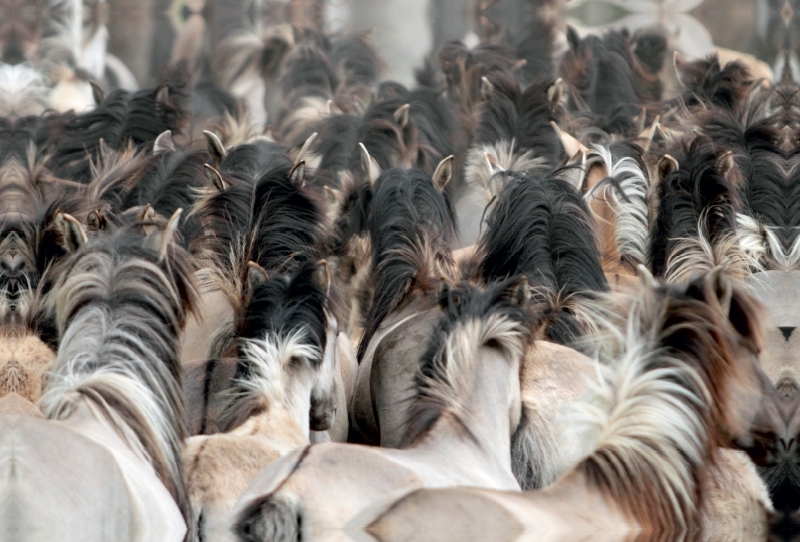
323 275
169 233
215 147
519 292
98 93
555 93
72 231
298 174
443 172
164 143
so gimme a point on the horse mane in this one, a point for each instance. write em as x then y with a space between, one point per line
434 119
695 193
542 228
671 356
123 117
708 82
411 225
626 190
472 317
285 319
390 144
169 181
273 222
524 117
601 79
120 305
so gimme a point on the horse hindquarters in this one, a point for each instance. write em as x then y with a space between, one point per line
58 485
78 481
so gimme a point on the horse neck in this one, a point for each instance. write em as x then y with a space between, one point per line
477 424
276 423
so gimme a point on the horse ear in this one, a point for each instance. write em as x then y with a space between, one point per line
96 220
297 176
331 196
487 89
216 177
443 172
555 93
162 93
72 231
678 62
255 276
401 115
519 292
371 168
725 164
304 148
645 276
98 93
445 287
494 166
646 137
720 286
323 275
215 147
573 39
666 165
164 143
148 214
571 145
169 233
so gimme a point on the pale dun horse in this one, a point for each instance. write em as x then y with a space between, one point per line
465 407
677 381
106 464
286 374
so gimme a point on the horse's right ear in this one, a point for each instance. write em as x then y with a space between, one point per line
255 276
666 165
96 220
519 292
445 287
487 89
323 275
371 168
162 93
148 214
215 147
72 231
494 166
164 143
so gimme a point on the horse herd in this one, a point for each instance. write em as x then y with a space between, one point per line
544 295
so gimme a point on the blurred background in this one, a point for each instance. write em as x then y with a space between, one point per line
144 34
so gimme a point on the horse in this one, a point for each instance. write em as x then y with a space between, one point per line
411 227
113 407
284 385
677 384
465 406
